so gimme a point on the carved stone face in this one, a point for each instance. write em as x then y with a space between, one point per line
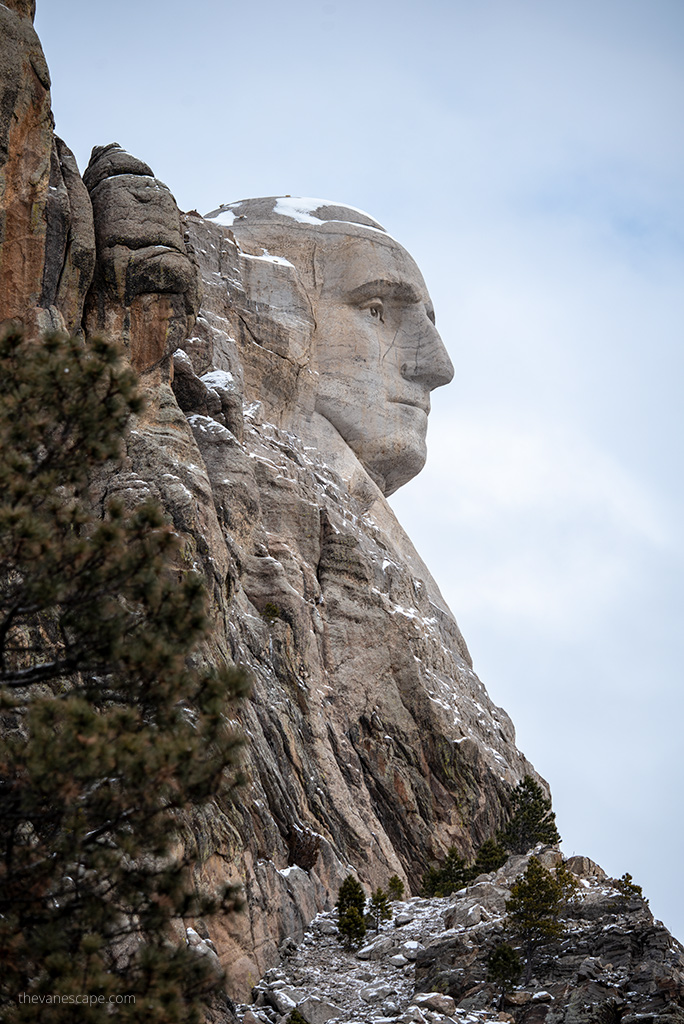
378 353
376 350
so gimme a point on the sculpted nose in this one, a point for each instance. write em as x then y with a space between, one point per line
428 361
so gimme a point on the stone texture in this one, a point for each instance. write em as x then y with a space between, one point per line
25 8
613 951
26 149
375 754
47 245
583 867
145 289
614 963
78 262
317 1011
376 949
376 354
283 407
434 1001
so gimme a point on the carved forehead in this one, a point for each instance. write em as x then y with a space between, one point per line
290 211
358 268
336 249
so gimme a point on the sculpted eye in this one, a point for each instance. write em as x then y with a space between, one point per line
376 309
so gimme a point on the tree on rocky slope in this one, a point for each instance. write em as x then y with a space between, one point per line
395 888
537 898
108 739
379 908
450 877
454 873
351 904
628 888
532 821
504 969
490 857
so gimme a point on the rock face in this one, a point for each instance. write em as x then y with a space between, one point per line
281 409
371 740
145 288
47 246
288 350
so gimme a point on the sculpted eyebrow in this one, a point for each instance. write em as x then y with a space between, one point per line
382 288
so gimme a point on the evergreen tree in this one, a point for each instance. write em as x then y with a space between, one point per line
567 881
532 821
490 857
108 740
351 894
351 904
395 888
627 888
450 877
297 1018
504 969
537 898
351 927
378 909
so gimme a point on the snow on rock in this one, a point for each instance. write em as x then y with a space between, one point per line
612 950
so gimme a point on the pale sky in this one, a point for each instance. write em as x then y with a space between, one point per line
529 154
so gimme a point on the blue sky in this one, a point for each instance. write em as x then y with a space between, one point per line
529 154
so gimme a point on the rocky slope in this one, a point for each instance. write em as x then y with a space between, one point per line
429 964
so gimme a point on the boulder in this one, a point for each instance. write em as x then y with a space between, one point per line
434 1001
583 867
376 993
318 1011
377 949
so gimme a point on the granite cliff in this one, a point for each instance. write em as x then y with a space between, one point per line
287 350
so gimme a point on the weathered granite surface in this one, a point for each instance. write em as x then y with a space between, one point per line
280 410
371 740
287 349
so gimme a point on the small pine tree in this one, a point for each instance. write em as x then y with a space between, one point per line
271 613
567 881
351 894
395 888
504 969
536 901
628 889
351 926
451 876
351 904
490 857
297 1018
378 909
532 821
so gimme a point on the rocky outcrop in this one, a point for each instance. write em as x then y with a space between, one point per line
47 245
371 742
145 290
614 962
26 146
428 964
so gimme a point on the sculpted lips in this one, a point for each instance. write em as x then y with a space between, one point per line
414 403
